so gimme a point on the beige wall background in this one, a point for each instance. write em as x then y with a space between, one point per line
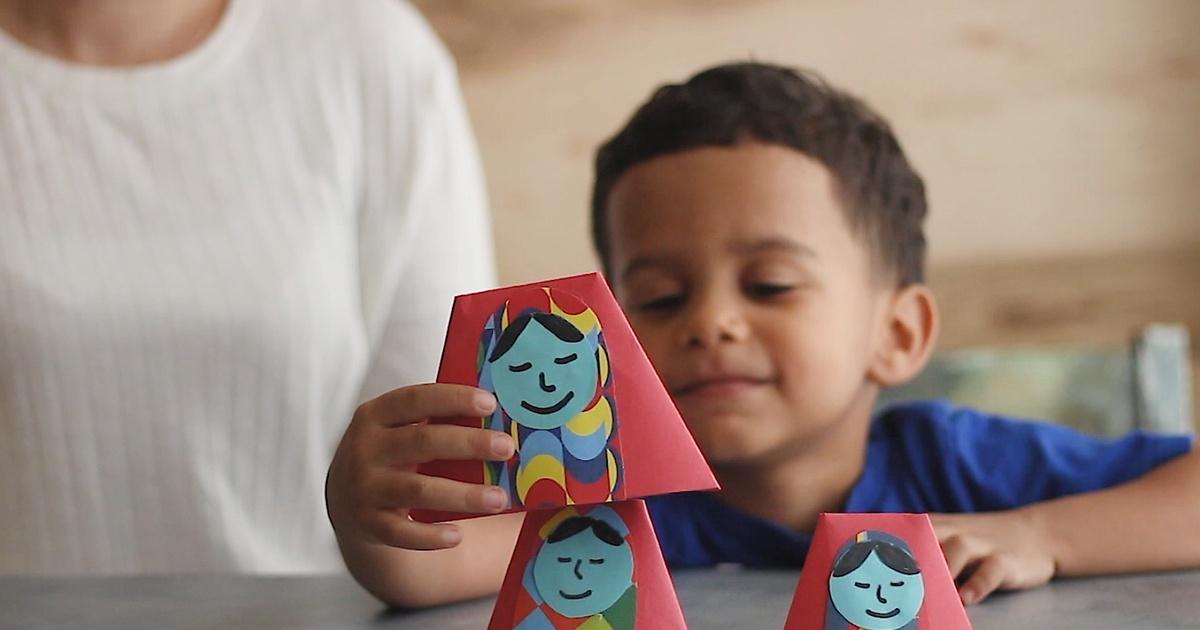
1043 129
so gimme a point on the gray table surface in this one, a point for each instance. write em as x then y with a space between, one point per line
710 598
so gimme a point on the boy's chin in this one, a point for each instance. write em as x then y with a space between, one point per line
733 443
735 458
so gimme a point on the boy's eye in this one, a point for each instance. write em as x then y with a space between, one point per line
900 583
769 289
567 359
564 560
520 368
664 303
862 585
596 561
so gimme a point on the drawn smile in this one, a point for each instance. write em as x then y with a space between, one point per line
887 615
545 411
587 593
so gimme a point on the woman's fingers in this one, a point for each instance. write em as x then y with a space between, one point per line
420 443
405 489
397 530
415 403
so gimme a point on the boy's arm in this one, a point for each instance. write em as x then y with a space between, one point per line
1144 525
413 579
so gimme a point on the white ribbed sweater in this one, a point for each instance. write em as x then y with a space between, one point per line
204 266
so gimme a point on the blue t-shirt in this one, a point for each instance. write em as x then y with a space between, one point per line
922 457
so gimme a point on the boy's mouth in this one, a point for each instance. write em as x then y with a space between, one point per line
720 386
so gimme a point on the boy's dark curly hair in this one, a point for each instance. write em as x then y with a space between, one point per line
883 197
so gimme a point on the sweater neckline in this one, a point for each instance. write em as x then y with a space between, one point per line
162 79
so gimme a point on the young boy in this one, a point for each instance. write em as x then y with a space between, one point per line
763 231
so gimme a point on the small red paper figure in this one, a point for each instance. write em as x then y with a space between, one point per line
590 416
587 568
876 572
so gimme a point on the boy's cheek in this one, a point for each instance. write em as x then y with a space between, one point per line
655 341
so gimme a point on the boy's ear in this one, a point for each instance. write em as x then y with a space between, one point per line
909 334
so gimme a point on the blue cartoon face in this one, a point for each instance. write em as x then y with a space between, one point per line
877 597
543 380
583 575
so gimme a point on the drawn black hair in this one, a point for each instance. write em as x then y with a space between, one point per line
558 326
896 558
577 524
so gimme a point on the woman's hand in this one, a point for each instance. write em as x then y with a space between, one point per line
373 483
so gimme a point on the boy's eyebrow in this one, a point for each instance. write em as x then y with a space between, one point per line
772 243
755 246
643 262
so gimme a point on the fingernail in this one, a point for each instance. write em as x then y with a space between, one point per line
494 499
968 597
485 401
451 535
501 445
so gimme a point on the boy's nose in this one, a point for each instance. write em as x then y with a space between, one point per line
546 387
712 322
879 594
578 573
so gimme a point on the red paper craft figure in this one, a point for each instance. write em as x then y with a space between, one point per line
591 419
876 572
587 568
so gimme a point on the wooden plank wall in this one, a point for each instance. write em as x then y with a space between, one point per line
1050 134
1078 300
1042 128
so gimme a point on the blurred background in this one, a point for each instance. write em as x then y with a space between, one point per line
1060 141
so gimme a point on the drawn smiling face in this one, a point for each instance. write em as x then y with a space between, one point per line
546 372
582 575
874 596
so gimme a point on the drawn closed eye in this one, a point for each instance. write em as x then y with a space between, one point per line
596 561
901 583
520 368
862 585
567 359
564 560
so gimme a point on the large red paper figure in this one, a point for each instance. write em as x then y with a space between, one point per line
876 572
587 568
591 419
